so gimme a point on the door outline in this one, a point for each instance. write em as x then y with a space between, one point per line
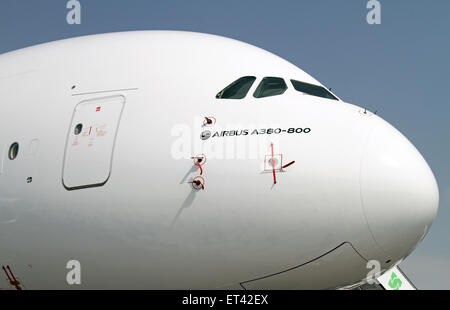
113 145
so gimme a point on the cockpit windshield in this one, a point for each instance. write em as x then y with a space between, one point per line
238 89
270 86
313 90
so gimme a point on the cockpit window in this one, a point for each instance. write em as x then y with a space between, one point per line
238 89
313 90
270 86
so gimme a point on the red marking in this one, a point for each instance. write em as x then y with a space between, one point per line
90 129
273 167
200 166
100 131
9 269
9 278
14 282
200 159
287 165
268 162
209 121
98 109
198 181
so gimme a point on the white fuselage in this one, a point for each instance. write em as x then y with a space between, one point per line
119 196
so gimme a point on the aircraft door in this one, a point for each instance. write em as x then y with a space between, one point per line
90 142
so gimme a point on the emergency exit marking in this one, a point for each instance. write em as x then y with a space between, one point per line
88 164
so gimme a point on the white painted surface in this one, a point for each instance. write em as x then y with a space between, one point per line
146 227
89 153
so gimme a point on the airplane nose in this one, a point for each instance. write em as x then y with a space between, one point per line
399 192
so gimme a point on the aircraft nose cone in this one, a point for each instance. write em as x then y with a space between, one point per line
399 192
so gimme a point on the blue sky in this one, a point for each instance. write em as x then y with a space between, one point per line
399 68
